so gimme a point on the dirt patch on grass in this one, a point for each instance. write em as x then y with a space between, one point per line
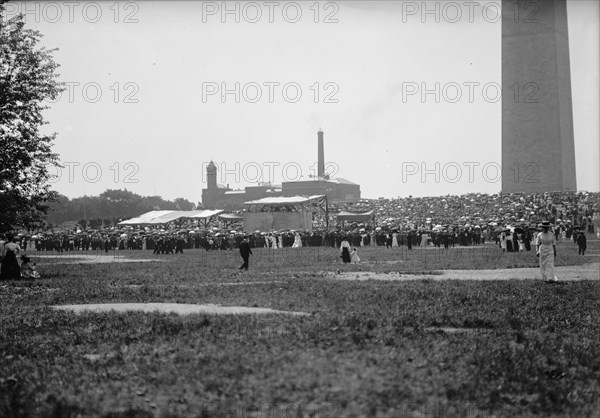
450 330
94 259
183 286
566 273
241 283
179 308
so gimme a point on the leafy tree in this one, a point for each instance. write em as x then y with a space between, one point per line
183 204
27 78
149 203
118 203
59 210
95 223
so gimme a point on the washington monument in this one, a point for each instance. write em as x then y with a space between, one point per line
538 151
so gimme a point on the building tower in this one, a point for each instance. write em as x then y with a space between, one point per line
321 155
211 176
538 151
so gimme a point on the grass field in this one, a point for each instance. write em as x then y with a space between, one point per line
419 347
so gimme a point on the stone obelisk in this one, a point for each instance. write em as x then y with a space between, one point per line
538 151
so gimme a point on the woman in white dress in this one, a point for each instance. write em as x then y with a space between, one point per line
395 240
546 251
297 241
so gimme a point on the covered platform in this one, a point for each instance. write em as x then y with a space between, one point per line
229 218
282 213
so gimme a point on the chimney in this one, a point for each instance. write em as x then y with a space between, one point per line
321 161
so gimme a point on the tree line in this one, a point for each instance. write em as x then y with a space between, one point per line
109 208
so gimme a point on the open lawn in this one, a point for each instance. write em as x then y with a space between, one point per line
420 347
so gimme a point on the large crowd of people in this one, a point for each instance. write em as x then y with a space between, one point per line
481 209
511 221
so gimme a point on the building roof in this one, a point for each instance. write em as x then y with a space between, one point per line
343 181
321 180
283 200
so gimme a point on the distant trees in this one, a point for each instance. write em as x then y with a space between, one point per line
109 207
95 223
183 204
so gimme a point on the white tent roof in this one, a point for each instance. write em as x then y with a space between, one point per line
145 217
171 216
165 216
203 214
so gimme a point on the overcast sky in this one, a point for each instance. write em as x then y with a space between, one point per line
151 115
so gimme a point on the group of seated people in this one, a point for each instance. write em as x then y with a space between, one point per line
11 269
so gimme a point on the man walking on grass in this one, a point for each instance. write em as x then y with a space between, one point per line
245 252
581 243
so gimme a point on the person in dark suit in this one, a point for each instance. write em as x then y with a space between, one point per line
180 243
446 240
245 252
582 243
515 242
527 240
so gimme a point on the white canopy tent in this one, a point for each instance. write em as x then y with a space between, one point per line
158 217
142 219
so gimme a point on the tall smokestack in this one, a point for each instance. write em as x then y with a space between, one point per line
321 162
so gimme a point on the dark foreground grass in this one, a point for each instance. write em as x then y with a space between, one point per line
389 349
